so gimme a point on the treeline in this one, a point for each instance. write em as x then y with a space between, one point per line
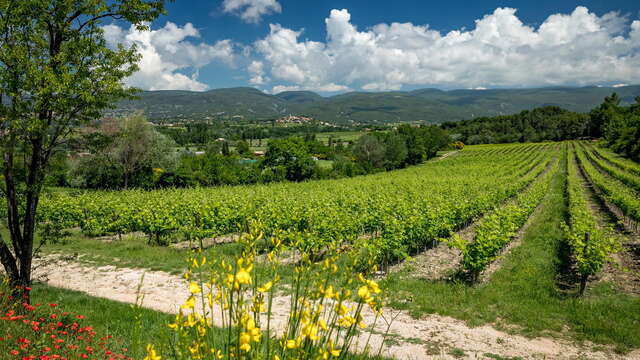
618 126
130 152
549 123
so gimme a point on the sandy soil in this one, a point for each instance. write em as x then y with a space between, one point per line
439 262
430 337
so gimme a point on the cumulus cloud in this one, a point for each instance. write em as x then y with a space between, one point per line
256 69
251 11
566 49
167 51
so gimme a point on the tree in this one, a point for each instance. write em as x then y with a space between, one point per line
369 151
291 154
131 145
225 149
56 73
242 147
395 150
132 149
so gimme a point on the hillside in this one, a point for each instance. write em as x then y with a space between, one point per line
424 105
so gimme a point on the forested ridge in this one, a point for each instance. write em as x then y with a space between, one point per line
617 125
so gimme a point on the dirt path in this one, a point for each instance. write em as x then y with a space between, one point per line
430 337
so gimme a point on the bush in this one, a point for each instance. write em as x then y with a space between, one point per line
229 313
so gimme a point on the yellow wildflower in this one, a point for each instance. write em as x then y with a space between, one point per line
243 277
245 340
266 287
151 353
194 288
190 303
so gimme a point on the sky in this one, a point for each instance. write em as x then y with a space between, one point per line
335 46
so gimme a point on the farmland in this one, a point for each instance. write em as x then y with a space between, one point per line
541 241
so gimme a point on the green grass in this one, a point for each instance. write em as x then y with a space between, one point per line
108 317
524 291
339 135
114 318
133 252
325 164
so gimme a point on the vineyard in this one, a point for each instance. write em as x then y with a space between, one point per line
388 216
391 216
523 230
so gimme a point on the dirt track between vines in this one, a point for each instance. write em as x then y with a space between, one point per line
430 337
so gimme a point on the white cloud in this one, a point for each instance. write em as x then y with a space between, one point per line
579 48
256 69
251 11
167 51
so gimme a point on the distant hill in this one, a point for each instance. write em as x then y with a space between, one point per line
299 97
424 105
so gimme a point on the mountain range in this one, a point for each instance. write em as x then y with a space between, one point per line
419 106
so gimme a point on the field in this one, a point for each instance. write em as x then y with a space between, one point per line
532 246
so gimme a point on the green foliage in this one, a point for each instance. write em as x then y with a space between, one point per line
56 73
125 155
291 154
393 216
590 245
540 124
242 148
613 190
499 227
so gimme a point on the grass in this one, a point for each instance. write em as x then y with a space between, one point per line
118 319
524 291
108 317
345 136
133 251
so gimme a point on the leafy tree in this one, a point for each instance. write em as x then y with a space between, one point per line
132 149
56 72
369 152
395 146
242 147
213 148
292 154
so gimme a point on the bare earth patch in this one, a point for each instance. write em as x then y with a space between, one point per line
439 262
430 337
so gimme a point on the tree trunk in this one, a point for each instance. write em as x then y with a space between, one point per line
21 229
583 284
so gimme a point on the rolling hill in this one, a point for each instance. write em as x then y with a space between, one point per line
422 106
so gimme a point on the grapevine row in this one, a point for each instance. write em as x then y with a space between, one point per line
625 177
498 228
612 190
590 245
622 163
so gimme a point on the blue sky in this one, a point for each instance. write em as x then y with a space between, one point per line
337 46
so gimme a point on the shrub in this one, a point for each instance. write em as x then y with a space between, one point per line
229 313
